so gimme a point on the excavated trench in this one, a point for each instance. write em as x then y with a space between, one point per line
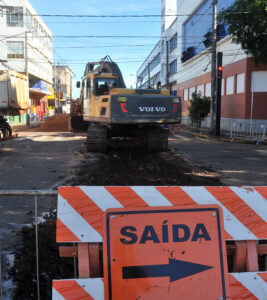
125 164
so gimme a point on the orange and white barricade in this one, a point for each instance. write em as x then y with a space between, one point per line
80 221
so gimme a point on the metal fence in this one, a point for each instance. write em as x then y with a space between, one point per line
198 126
35 194
237 130
248 131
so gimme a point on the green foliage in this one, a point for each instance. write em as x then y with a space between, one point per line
247 20
199 107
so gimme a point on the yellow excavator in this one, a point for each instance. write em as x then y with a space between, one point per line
110 110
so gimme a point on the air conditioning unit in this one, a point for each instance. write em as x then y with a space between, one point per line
191 52
184 56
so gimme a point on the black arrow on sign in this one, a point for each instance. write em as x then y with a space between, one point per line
175 269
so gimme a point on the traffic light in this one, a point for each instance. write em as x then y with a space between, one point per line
208 39
219 66
219 72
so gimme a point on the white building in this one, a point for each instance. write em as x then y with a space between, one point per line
27 47
149 74
155 69
185 48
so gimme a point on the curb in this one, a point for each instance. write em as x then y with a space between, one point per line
227 140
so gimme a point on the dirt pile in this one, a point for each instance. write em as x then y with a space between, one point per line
56 123
127 164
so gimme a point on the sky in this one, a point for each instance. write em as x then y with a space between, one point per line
129 53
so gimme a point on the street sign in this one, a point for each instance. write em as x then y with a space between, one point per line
165 253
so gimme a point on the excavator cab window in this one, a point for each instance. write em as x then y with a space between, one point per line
103 86
88 86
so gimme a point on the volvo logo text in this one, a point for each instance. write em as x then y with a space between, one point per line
152 109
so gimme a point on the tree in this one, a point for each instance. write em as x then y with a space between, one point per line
247 20
199 107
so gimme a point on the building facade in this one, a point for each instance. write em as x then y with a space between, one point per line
62 88
185 48
27 47
161 64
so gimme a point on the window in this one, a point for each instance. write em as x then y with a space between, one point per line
14 17
191 91
173 67
230 85
173 43
240 83
28 20
87 87
162 48
144 85
35 27
15 49
208 89
222 86
186 95
200 23
200 89
258 81
163 71
103 85
155 62
144 73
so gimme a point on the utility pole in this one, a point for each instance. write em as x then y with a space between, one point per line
167 65
219 93
213 68
26 55
27 75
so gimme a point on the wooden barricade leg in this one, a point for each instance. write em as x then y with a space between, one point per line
94 260
240 256
83 260
252 257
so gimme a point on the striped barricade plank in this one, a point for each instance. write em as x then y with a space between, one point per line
82 289
247 286
80 209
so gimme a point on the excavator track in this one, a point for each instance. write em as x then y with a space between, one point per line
97 138
157 140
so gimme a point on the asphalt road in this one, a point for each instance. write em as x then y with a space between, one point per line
237 164
35 160
38 160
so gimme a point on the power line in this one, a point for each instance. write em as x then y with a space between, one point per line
103 46
125 60
136 16
114 36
